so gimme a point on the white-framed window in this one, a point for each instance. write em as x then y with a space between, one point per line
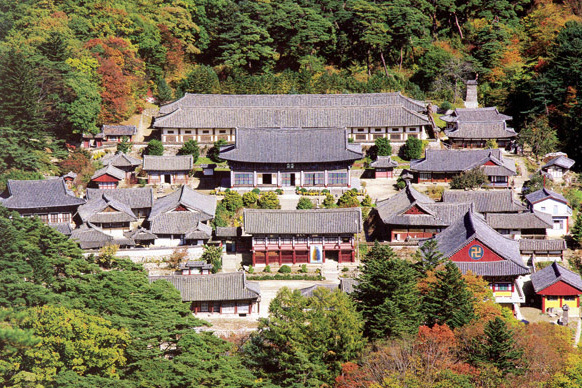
170 132
54 218
188 132
558 224
425 175
395 130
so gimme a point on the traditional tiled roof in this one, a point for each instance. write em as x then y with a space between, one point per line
291 145
202 232
91 238
64 227
292 117
196 264
481 130
175 223
109 170
552 274
490 114
486 201
135 198
93 210
462 160
203 205
347 284
168 163
308 291
316 221
472 227
383 162
543 194
537 245
292 100
70 175
392 210
120 159
560 161
227 231
39 194
119 130
140 234
525 220
218 287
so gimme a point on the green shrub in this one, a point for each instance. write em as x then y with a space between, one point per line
345 269
303 268
250 199
256 191
286 277
412 148
190 148
348 199
304 204
285 269
251 269
367 201
154 147
469 179
279 191
269 200
446 106
267 269
232 201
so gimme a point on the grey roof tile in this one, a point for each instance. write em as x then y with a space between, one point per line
472 227
203 204
489 114
109 170
383 162
208 288
537 245
227 231
552 274
91 238
453 161
316 221
308 291
120 159
291 145
64 228
486 201
37 194
95 210
196 264
119 130
168 163
140 234
481 130
543 194
525 220
293 100
560 161
136 198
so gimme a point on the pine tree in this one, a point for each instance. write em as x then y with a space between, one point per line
304 203
428 257
499 347
190 148
387 294
577 230
448 300
155 147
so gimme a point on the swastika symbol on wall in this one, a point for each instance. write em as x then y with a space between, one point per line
476 252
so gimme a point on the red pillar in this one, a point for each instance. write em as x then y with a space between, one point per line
294 258
543 304
323 255
353 255
254 262
280 257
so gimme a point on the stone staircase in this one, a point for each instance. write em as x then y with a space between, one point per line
330 270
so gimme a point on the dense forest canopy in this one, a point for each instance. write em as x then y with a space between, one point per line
68 66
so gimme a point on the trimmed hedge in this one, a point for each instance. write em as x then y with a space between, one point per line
285 277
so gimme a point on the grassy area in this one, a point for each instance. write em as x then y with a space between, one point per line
439 123
205 160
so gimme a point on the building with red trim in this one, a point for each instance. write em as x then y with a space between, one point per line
109 134
302 236
167 169
443 165
554 204
410 215
557 286
383 167
474 246
108 177
473 127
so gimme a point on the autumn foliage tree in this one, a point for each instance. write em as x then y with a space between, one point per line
121 72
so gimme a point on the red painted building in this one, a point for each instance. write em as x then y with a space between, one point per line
557 286
384 167
474 246
302 236
108 177
412 215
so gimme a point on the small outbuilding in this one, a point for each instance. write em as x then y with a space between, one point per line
556 168
557 287
384 167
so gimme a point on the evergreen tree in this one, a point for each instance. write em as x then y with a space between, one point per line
428 257
348 199
329 201
387 294
250 199
577 230
304 203
448 300
190 148
214 152
498 348
539 136
232 201
412 148
202 80
305 340
154 147
163 92
269 200
381 147
124 145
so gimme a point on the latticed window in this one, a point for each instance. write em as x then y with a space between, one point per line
338 178
314 178
243 179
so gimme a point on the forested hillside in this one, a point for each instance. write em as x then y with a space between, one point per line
69 66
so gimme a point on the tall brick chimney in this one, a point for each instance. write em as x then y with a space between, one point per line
471 98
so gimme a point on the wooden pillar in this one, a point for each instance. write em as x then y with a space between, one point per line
294 257
255 179
280 256
323 255
353 255
254 260
543 303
